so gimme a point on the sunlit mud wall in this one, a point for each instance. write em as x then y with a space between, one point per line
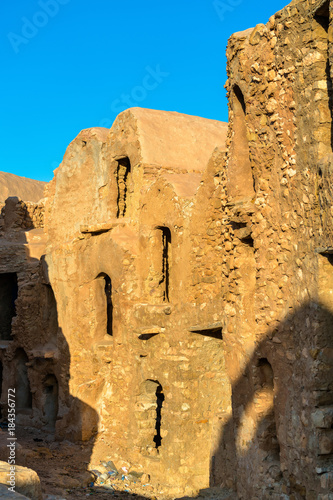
277 287
134 258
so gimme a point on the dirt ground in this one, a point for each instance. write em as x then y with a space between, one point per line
62 468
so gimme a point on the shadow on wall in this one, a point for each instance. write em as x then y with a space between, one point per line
34 356
68 416
282 405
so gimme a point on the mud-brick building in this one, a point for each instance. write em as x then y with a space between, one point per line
133 223
277 287
173 301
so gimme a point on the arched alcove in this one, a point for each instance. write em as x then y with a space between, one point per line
8 296
22 384
240 177
50 401
267 432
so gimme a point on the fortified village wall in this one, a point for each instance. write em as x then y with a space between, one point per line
170 301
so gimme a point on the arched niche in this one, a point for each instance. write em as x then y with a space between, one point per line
50 401
22 385
267 430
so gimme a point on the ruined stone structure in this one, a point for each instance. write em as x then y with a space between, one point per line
171 299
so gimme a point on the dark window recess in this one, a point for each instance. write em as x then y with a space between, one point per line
165 275
22 384
123 172
214 330
8 296
109 305
159 404
147 336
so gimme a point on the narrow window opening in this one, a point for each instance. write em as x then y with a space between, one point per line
159 404
50 393
109 307
123 177
164 282
8 296
108 302
22 384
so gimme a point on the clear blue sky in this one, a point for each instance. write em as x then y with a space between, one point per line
74 64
